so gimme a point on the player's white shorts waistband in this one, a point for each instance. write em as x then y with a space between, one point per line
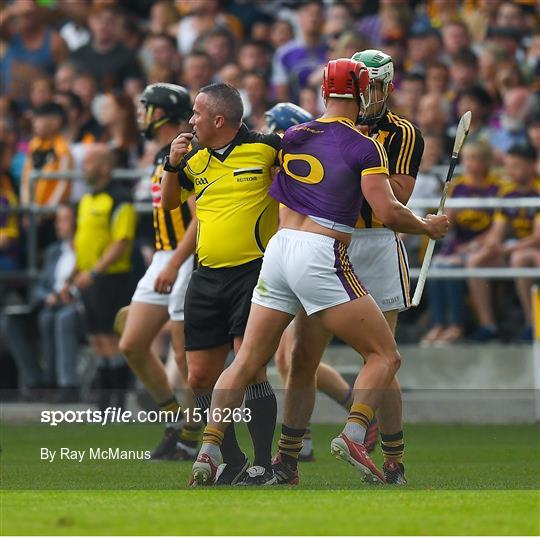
174 302
379 258
303 269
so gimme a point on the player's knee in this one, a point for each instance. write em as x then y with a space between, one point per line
130 348
395 361
199 380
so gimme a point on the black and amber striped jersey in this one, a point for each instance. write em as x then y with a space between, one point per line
404 146
236 216
169 226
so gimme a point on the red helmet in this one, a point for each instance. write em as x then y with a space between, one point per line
346 78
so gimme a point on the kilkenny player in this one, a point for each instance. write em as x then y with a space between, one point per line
278 119
164 112
229 168
327 168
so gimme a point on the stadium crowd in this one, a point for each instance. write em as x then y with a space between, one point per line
72 72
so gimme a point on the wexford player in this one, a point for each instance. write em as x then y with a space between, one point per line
377 253
327 168
165 111
278 119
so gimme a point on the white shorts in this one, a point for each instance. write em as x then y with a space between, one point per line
302 269
174 301
380 260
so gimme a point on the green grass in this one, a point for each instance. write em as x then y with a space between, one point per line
462 480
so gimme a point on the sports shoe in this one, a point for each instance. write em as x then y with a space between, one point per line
372 435
258 476
484 334
394 473
167 448
283 473
356 454
184 452
306 457
232 475
204 471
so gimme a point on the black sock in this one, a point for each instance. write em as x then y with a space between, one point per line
261 400
232 454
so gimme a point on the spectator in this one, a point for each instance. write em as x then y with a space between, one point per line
254 56
310 100
437 78
455 37
105 57
463 71
232 74
198 72
202 16
49 152
41 92
60 325
520 227
407 98
256 89
164 60
9 223
163 17
117 117
517 106
510 15
424 46
65 76
433 116
446 298
480 103
282 33
219 43
34 49
103 244
295 61
533 134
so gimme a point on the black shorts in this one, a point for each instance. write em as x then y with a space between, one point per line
103 299
217 304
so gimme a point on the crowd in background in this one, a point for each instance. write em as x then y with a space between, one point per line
71 72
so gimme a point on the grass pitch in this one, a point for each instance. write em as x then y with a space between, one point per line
462 480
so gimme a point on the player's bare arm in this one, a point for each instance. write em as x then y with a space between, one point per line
386 206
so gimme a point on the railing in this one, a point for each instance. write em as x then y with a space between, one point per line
33 210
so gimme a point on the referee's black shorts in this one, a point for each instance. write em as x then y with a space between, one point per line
217 304
103 299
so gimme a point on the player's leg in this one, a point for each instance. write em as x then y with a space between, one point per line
143 323
283 355
390 421
308 344
361 324
261 339
190 431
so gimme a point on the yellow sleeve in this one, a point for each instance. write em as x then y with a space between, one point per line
124 222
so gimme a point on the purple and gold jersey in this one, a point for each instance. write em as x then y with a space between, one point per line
471 222
322 163
520 221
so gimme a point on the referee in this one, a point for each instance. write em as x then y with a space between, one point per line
228 168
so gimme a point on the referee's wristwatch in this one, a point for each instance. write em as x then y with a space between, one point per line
169 167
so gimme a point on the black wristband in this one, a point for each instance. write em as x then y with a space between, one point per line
170 168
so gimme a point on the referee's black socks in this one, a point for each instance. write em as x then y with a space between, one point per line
261 400
230 450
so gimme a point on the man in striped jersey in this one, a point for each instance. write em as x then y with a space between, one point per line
165 111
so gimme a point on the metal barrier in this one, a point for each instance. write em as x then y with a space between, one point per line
32 271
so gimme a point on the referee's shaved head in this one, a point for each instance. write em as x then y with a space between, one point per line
225 100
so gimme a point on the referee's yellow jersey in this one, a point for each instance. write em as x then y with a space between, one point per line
236 215
104 217
404 147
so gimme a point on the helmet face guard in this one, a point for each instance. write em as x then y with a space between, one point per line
174 100
347 79
381 69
